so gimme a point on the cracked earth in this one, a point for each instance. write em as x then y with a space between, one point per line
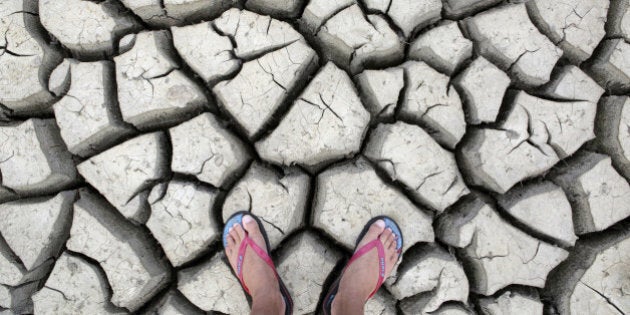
496 132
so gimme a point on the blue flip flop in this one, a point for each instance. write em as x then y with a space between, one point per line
389 223
237 218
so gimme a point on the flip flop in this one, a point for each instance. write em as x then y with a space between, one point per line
248 242
389 223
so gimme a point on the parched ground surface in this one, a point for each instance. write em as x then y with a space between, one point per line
497 133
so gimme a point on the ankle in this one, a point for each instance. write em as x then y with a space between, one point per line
348 303
352 292
268 300
265 294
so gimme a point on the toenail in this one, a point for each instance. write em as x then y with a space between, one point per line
247 219
380 223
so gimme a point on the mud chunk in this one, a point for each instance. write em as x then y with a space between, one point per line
434 273
544 208
511 302
122 174
601 290
571 83
255 35
90 29
74 286
149 10
279 8
152 91
409 15
590 301
5 299
499 158
88 116
482 86
278 199
415 304
326 123
129 260
618 20
353 40
380 90
429 100
381 303
377 5
610 68
187 10
594 279
443 48
59 80
613 131
498 254
598 194
34 159
508 38
536 133
204 148
212 287
11 271
409 155
27 59
577 26
275 75
6 195
173 303
412 15
455 9
317 12
349 195
36 229
182 222
304 264
162 13
212 58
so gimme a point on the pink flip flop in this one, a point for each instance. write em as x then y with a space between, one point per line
237 218
389 223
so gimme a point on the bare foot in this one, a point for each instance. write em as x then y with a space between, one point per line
257 275
360 278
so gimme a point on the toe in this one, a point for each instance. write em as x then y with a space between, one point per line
229 249
384 237
375 229
230 242
373 232
240 231
254 231
392 253
393 258
250 225
390 240
391 245
234 235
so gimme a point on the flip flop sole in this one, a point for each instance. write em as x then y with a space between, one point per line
389 223
238 218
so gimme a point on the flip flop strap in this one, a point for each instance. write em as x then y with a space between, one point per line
241 258
381 261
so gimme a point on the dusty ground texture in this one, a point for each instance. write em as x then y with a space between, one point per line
496 132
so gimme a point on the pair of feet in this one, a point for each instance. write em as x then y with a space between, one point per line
355 286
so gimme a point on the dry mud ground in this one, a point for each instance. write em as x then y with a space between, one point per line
497 133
